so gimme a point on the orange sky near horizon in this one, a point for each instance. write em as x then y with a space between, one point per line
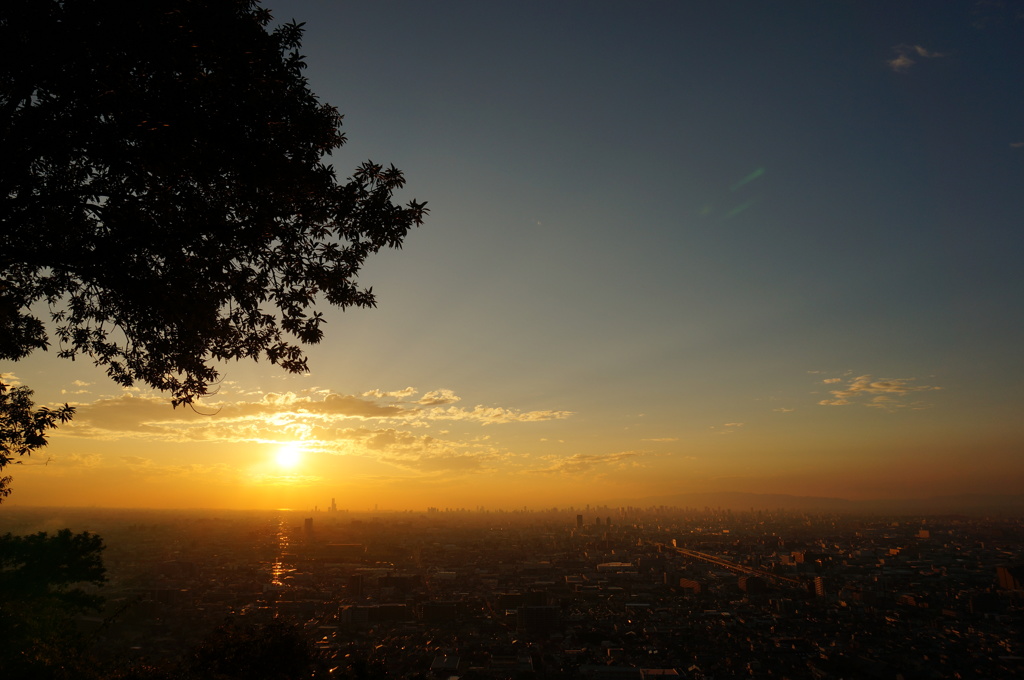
408 449
672 247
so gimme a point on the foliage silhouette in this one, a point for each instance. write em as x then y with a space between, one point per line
278 650
40 594
23 427
164 190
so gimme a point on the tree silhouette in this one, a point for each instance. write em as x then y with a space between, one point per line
40 594
164 193
23 427
275 651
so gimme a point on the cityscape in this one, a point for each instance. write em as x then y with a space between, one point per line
701 358
602 593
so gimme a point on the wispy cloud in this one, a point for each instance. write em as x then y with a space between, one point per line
887 394
581 462
491 415
375 426
661 439
147 467
407 392
730 428
438 397
908 55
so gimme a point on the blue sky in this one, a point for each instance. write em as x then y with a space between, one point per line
796 224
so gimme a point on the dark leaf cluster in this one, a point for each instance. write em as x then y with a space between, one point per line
40 566
41 594
279 650
23 427
164 193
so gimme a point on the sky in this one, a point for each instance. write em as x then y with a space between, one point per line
673 247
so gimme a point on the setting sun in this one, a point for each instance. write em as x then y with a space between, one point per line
289 455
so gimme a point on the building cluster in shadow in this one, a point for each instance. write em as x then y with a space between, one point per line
602 594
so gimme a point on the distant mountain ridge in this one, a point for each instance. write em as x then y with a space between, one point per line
962 503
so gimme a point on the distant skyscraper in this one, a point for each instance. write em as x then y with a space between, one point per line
308 525
579 521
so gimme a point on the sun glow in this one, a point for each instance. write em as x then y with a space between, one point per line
288 455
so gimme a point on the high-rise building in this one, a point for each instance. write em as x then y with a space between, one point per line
579 521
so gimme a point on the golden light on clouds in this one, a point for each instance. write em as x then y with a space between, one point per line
408 448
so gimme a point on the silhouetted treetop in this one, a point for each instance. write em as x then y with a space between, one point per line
163 190
23 427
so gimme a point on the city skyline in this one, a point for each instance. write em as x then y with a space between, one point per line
672 248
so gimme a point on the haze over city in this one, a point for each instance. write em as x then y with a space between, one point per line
672 248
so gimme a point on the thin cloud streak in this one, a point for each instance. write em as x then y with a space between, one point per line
908 55
886 394
581 463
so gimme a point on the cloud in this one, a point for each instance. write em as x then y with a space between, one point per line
908 55
328 403
78 460
438 397
661 439
147 468
494 415
407 392
448 463
731 428
783 410
900 63
922 52
272 416
582 462
10 380
887 394
392 433
829 381
1016 145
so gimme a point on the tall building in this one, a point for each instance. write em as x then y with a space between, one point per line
579 521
